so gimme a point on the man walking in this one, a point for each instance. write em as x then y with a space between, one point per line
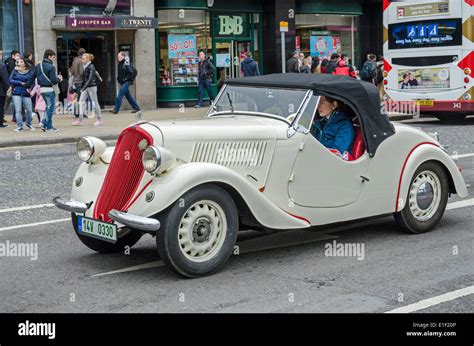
48 80
4 85
78 77
292 65
249 66
11 61
126 74
206 76
333 63
369 69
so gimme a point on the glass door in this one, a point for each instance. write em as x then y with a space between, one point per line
229 55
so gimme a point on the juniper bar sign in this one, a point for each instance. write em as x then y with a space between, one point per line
103 22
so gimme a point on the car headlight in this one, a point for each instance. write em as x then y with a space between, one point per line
151 159
157 159
90 149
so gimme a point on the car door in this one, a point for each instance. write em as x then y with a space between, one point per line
319 178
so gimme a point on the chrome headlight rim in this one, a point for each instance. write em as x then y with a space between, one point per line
151 153
91 146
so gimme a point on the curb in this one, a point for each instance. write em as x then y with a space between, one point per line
46 141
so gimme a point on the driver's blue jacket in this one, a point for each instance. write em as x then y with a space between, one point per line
335 133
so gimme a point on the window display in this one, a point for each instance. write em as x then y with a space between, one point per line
182 34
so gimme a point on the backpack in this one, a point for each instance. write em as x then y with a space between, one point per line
378 75
132 72
366 72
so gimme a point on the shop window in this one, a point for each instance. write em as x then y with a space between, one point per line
182 35
321 35
8 27
96 7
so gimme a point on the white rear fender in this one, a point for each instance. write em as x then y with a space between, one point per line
422 153
169 187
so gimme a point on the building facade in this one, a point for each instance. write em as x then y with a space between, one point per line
163 37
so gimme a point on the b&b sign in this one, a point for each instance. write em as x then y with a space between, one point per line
231 25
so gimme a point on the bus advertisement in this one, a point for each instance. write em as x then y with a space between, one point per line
428 57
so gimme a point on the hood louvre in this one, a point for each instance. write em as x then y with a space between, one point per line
230 153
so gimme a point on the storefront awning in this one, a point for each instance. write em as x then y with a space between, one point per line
103 23
346 7
242 6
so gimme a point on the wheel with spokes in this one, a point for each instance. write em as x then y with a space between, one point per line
198 231
426 200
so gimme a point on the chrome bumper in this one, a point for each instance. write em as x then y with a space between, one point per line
71 206
134 221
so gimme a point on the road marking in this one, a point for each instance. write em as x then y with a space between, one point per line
460 204
461 156
33 224
426 303
287 238
28 207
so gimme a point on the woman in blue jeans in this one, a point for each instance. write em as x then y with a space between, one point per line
21 95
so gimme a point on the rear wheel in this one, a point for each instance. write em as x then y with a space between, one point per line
129 239
198 231
426 200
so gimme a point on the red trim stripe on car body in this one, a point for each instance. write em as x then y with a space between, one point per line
298 217
403 170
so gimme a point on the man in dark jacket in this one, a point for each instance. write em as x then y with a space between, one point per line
206 76
333 63
45 73
4 85
292 65
125 78
11 61
249 66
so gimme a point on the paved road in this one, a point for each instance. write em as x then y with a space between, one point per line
285 272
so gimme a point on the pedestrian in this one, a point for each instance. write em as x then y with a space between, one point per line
28 57
249 66
39 105
21 94
344 68
333 63
77 71
315 65
306 67
126 74
324 64
48 80
292 64
4 86
368 71
89 89
300 60
11 61
206 76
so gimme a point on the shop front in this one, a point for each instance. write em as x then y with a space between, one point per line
323 28
101 29
224 32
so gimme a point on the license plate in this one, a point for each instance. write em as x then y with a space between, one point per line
97 229
429 103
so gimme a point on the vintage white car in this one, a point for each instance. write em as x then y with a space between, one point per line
253 162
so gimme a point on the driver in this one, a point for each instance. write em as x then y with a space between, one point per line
335 129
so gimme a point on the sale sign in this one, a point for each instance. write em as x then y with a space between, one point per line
181 46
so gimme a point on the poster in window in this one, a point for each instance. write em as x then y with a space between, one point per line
321 46
181 46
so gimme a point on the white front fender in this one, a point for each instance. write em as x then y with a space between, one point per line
169 187
420 154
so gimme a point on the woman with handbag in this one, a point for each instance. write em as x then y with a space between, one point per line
89 89
21 94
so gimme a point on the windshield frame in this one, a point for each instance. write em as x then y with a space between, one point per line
301 107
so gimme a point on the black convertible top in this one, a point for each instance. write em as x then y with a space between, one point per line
362 97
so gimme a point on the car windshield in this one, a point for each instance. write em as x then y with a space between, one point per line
249 100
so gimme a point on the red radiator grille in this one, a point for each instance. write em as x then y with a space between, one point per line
124 173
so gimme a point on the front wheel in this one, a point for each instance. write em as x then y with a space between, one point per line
426 200
198 231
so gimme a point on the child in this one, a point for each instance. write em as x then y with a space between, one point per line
40 105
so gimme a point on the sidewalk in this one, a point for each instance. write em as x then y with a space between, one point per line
112 127
113 124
